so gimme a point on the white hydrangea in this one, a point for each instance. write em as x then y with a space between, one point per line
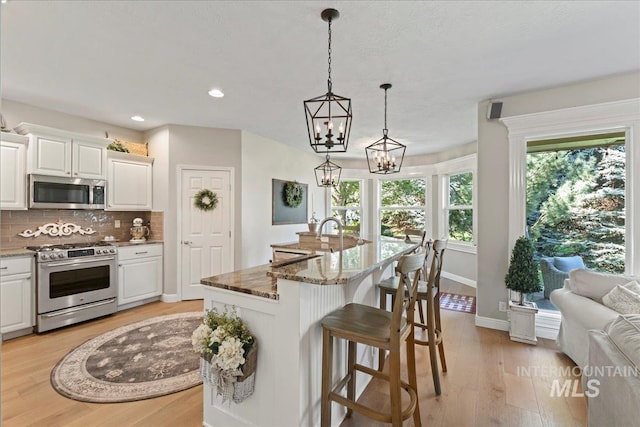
219 334
201 338
230 354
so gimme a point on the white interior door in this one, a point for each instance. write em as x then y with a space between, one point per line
206 237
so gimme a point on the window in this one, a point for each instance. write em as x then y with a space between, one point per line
458 207
346 204
402 206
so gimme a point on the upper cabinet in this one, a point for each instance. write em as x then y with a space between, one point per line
129 180
56 152
13 160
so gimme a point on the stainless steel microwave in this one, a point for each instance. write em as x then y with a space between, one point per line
51 192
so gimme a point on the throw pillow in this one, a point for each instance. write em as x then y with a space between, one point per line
622 299
594 285
568 263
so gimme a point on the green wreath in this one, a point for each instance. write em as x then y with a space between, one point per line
293 193
206 200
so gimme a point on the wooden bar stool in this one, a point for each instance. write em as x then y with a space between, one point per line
385 330
428 333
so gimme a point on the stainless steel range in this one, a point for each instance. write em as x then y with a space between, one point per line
74 283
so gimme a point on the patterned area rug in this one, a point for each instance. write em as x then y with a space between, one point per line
456 302
143 360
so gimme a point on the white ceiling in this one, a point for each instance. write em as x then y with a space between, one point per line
108 61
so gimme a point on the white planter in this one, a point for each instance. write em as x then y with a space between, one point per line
522 322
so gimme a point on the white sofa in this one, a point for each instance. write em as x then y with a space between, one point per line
612 379
580 303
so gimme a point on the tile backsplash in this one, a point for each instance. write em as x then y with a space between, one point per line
103 222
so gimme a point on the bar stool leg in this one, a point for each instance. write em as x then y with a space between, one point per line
432 346
351 386
394 387
443 362
382 354
327 376
411 371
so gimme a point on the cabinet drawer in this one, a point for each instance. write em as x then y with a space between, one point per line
12 265
139 251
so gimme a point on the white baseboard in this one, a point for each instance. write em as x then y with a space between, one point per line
491 323
169 298
547 325
459 279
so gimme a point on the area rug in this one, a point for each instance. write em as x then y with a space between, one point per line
143 360
456 302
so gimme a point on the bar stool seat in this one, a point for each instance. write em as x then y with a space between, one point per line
385 330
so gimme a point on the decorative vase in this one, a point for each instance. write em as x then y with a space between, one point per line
237 389
313 227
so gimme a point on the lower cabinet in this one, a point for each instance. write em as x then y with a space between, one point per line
139 272
16 294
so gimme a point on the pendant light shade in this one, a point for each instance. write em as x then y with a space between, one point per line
385 156
328 116
328 174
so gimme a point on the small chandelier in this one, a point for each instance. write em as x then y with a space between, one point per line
327 111
385 156
328 173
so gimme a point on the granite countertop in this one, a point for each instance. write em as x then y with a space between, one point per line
320 268
128 243
16 252
331 268
252 281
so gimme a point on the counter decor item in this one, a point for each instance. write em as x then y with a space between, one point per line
138 232
205 200
293 193
228 354
313 223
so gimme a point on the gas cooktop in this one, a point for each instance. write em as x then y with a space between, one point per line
47 253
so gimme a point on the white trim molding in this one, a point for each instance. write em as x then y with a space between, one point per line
491 323
459 279
584 120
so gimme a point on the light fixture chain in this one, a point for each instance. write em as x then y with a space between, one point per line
385 109
329 56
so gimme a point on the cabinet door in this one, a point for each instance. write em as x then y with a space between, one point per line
129 185
13 193
88 160
139 279
15 297
52 156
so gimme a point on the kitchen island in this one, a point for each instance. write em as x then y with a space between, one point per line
282 306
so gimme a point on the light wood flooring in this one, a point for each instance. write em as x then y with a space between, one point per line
482 387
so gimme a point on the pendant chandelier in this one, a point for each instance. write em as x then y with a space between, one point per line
328 174
329 115
385 156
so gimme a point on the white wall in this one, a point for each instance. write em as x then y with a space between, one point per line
493 173
175 145
263 160
16 112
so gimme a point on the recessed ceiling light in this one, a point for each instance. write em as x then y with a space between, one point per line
4 1
216 93
137 118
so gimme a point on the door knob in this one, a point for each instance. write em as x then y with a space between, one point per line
186 242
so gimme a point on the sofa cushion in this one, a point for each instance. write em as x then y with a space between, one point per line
624 299
568 263
591 284
624 332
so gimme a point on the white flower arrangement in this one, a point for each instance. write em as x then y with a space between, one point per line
226 346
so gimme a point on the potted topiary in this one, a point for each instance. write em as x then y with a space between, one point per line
523 278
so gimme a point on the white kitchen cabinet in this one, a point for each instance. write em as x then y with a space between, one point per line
139 273
13 161
56 152
130 182
16 294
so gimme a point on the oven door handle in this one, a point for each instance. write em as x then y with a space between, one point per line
75 263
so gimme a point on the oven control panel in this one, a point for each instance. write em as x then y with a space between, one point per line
59 254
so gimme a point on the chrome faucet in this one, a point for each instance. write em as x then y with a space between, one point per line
337 221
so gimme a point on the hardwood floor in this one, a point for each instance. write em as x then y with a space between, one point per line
29 400
482 387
